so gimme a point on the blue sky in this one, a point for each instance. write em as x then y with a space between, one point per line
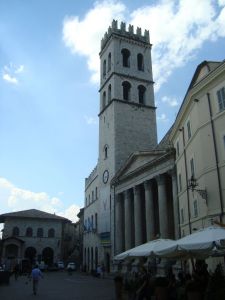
49 79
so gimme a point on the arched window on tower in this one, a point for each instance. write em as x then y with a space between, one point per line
126 57
141 94
106 151
140 62
126 90
109 93
104 68
104 99
16 231
109 62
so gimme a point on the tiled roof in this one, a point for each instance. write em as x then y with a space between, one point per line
31 213
165 142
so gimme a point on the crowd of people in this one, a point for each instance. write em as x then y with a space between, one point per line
143 285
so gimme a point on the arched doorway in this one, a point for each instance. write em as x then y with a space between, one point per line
48 255
92 259
30 254
107 262
88 260
11 251
96 258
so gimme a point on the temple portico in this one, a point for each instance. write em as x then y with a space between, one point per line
146 211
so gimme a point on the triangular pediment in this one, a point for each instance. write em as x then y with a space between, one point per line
137 161
203 70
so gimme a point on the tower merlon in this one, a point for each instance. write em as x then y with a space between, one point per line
113 29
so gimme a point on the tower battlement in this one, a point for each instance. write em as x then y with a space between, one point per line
91 177
126 33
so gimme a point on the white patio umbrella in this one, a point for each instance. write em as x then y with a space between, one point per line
122 255
204 242
147 249
152 247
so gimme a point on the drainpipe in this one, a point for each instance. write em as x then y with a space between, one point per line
114 220
186 174
216 157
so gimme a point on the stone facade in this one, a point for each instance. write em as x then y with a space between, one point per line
199 138
36 236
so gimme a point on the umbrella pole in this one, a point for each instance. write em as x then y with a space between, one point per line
192 263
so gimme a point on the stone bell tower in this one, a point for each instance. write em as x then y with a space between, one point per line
127 116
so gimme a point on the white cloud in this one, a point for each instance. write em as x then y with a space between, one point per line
71 212
170 101
176 32
16 199
83 36
162 118
91 120
9 78
221 2
10 73
20 69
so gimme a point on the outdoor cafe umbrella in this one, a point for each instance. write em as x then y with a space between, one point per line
207 241
203 240
147 249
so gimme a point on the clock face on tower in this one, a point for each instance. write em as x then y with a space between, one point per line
105 176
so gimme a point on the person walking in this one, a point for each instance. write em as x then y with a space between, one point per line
36 274
16 271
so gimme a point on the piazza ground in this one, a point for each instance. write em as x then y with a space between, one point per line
60 286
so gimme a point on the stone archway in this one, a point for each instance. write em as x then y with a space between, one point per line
92 259
30 254
107 262
96 257
11 251
47 256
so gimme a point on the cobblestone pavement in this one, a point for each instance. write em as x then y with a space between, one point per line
60 286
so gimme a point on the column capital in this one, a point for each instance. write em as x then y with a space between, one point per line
126 193
160 179
136 189
172 173
147 184
118 197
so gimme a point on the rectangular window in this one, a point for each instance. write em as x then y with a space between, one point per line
96 193
89 199
182 215
189 129
96 221
180 182
221 99
92 196
224 141
192 167
195 208
92 222
178 148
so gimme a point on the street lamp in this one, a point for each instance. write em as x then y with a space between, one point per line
192 184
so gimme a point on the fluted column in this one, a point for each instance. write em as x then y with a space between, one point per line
127 219
162 201
137 216
175 204
149 211
119 224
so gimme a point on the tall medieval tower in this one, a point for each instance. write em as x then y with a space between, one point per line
127 118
